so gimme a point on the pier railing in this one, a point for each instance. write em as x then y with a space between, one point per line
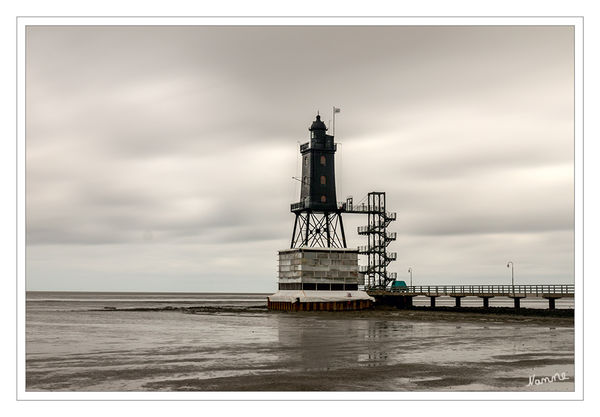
561 290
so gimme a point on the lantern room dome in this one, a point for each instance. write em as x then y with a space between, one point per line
318 124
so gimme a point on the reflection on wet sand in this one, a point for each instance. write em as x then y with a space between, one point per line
217 349
400 355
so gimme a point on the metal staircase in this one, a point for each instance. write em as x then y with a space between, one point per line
378 239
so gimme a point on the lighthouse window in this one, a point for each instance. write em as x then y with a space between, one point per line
323 160
306 161
323 199
322 179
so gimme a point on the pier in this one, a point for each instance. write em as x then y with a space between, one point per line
402 297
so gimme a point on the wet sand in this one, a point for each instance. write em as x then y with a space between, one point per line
248 348
405 377
502 372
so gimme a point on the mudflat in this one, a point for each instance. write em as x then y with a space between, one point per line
185 347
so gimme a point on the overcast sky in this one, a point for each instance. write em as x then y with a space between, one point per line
161 158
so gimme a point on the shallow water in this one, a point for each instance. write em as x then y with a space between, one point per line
70 348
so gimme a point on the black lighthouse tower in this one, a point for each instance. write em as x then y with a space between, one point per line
318 218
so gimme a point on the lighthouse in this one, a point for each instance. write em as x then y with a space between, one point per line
318 271
318 221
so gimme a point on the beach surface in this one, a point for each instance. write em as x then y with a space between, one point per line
232 343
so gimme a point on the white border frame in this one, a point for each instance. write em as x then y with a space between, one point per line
576 22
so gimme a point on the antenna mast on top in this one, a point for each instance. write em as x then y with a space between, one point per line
335 110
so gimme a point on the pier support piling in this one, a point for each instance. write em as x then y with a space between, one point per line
552 302
457 299
432 298
517 301
486 301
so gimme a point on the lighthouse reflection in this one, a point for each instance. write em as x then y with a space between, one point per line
324 341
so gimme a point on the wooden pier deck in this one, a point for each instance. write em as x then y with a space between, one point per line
402 297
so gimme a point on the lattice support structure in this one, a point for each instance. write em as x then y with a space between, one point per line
316 229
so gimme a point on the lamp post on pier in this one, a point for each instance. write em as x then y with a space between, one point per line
512 274
410 272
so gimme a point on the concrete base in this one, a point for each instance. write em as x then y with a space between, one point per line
320 306
319 300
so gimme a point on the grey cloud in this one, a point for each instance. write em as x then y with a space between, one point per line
179 143
435 224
